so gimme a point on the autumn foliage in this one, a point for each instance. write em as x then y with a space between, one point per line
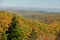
28 29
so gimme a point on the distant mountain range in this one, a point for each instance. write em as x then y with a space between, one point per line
31 9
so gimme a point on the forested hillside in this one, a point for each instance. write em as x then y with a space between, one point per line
16 27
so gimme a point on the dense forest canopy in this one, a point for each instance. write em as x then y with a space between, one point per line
15 27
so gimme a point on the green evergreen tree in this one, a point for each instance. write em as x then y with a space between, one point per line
58 36
13 33
4 36
20 31
33 35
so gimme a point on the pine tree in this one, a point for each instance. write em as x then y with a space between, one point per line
13 33
33 35
20 31
4 36
58 36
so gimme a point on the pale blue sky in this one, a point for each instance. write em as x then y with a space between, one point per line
31 3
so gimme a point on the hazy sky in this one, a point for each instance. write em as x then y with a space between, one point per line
31 3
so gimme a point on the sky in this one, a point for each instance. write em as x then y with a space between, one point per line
31 3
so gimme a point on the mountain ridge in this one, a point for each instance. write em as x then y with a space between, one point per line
31 9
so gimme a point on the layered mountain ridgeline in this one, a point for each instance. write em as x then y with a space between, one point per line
15 27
